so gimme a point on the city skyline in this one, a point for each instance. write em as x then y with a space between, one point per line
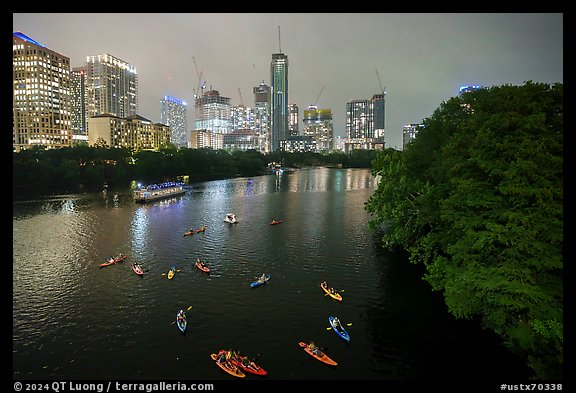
420 60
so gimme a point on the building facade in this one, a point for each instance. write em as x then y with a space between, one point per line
112 86
173 113
262 116
365 122
318 124
212 112
42 106
278 100
133 132
293 120
409 132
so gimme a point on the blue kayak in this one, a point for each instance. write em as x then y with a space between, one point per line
181 321
338 328
260 281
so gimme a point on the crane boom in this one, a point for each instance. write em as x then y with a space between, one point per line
380 83
241 100
317 98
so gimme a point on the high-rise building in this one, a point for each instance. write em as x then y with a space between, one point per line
212 112
262 116
42 108
278 100
365 123
79 105
112 86
173 113
409 132
318 125
293 120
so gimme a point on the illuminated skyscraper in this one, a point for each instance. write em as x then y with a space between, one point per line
173 113
318 125
41 98
278 100
262 116
365 123
212 112
112 86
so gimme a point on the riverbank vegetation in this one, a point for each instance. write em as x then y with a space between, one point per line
86 165
477 198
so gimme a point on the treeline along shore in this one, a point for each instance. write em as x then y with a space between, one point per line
82 164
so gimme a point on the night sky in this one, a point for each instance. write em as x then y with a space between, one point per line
421 59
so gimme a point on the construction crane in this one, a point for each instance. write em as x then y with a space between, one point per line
317 98
198 94
380 83
241 100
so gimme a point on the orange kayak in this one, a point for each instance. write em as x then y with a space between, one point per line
202 267
228 367
334 295
317 354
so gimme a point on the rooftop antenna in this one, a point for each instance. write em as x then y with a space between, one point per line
279 44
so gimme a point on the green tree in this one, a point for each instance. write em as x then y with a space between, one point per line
477 198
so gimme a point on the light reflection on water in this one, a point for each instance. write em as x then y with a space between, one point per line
73 319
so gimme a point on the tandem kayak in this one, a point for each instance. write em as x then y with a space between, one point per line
181 321
245 363
202 266
317 354
330 291
137 268
262 280
338 328
112 260
228 366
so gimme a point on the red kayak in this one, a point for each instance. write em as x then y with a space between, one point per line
202 266
112 260
136 268
276 222
245 364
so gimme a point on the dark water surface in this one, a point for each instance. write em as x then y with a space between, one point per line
74 320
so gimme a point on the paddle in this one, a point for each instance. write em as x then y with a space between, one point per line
188 309
348 324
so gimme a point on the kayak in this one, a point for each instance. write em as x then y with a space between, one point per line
136 268
339 329
276 222
171 273
201 229
203 268
334 295
112 260
181 322
228 367
252 367
190 232
260 281
317 354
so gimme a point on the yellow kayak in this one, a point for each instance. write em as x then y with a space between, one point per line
330 291
171 273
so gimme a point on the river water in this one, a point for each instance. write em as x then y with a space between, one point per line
75 320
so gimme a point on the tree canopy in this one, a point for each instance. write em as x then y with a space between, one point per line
477 198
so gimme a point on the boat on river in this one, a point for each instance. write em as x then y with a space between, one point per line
153 192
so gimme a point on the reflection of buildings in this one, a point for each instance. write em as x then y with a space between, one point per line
365 121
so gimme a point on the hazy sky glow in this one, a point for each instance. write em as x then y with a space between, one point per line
422 59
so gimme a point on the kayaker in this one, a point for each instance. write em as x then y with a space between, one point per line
263 277
336 322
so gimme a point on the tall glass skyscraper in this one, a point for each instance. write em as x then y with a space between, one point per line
278 100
